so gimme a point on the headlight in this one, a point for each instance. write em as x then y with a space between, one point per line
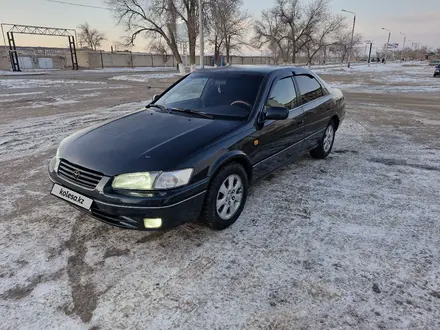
135 181
167 180
152 180
57 160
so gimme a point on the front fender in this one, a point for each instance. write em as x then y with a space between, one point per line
230 156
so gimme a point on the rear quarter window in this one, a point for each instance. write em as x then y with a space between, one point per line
309 88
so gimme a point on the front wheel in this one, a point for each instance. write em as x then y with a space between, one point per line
225 197
326 143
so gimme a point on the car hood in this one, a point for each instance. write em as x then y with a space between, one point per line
143 141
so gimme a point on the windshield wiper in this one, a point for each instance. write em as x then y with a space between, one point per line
193 112
161 107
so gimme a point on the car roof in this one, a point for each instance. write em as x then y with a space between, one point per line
255 69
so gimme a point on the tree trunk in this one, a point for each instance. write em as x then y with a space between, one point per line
216 52
191 27
309 58
192 52
171 42
228 48
283 54
293 45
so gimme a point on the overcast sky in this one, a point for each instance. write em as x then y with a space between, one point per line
418 19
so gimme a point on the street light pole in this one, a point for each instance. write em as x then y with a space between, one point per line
369 42
352 36
403 46
202 41
388 43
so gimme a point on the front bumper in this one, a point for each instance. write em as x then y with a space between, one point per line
174 207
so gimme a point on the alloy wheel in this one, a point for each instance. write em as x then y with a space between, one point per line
229 197
328 138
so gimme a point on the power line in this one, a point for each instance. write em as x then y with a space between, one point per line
78 4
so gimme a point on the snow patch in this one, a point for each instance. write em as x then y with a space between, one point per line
23 73
145 77
20 94
41 83
137 69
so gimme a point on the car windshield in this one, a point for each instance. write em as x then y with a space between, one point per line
227 95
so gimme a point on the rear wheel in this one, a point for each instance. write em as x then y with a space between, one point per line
225 197
326 143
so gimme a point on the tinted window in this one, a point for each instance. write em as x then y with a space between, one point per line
192 90
227 94
309 88
283 94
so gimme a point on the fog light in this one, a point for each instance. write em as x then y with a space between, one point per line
152 223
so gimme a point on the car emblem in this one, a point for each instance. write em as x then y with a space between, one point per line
76 174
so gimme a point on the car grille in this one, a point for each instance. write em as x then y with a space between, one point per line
79 175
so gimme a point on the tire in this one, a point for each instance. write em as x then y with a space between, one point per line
216 214
326 143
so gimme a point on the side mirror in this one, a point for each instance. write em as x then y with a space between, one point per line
277 113
155 97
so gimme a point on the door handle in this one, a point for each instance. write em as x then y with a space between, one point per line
300 122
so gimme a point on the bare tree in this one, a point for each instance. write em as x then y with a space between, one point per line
271 31
159 18
89 37
228 24
216 39
322 35
273 52
301 20
297 27
158 46
188 12
215 35
342 43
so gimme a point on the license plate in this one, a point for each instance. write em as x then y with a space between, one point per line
71 196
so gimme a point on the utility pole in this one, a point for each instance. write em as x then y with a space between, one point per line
368 42
403 46
352 36
388 43
369 55
202 39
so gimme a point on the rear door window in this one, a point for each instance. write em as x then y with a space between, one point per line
283 94
309 88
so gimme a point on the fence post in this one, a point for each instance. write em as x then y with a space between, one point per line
102 61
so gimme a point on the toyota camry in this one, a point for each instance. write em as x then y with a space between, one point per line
192 152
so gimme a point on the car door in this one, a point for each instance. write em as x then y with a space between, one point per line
278 141
317 104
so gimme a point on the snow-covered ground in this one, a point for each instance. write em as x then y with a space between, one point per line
37 83
374 68
137 69
379 78
351 242
145 77
23 73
